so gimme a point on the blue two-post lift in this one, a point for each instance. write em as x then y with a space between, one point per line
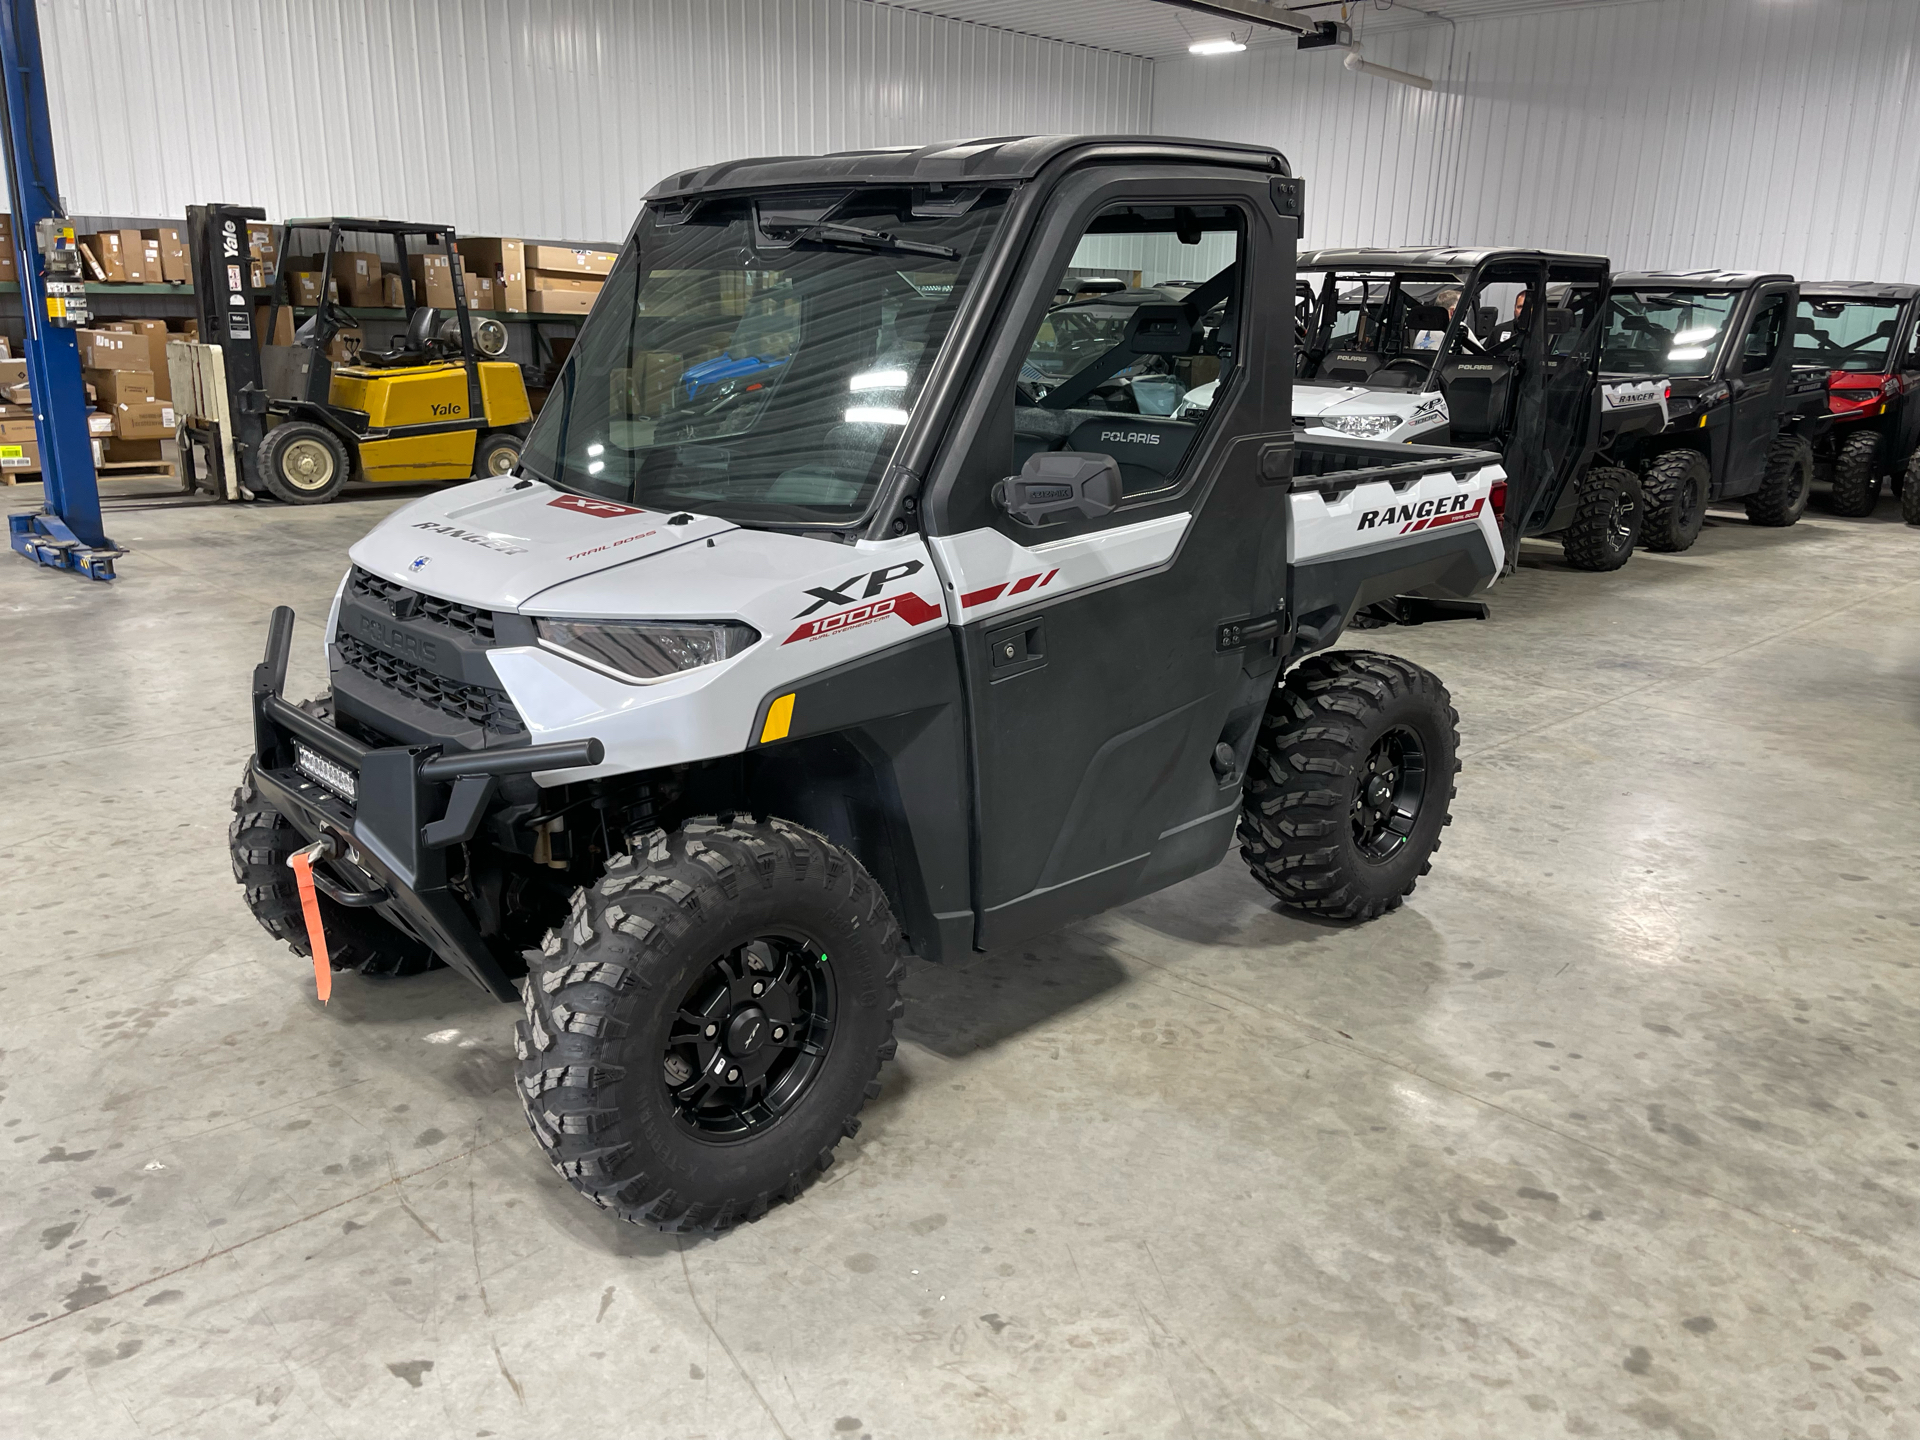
67 533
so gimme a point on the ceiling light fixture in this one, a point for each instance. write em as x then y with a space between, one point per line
1215 47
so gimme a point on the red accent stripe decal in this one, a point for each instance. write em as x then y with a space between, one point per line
1048 576
1024 584
981 597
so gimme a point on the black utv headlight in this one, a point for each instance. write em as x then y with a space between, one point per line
646 650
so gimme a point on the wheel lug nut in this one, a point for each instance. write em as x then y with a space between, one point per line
733 1075
712 1030
758 987
779 1033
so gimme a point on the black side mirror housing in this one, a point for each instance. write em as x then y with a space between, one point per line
1058 485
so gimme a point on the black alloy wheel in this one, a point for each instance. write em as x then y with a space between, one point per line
749 1037
1388 793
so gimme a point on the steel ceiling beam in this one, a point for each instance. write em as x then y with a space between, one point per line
1257 12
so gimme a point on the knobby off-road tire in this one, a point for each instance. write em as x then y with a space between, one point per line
1910 491
1316 784
1857 472
1676 486
641 1011
1782 497
260 839
1606 522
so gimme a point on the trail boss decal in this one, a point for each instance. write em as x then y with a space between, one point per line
851 591
1426 515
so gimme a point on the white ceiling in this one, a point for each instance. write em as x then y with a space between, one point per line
1162 31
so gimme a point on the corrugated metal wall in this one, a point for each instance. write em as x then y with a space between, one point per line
1667 134
542 118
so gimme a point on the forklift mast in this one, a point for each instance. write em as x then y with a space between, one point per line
222 270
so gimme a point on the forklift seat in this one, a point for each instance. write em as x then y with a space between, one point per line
415 345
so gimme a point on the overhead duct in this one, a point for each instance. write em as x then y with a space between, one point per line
1309 34
1361 66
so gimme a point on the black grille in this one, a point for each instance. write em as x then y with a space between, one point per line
411 604
476 704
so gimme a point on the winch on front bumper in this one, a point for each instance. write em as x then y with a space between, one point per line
392 814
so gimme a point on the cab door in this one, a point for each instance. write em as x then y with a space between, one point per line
1110 717
1757 374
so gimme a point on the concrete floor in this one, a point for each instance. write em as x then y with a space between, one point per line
1613 1131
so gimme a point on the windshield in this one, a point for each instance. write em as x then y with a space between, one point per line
1665 332
758 359
1845 334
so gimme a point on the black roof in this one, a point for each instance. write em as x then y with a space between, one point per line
1003 158
1457 258
1695 279
1857 290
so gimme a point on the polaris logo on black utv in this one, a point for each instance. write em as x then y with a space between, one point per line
1442 506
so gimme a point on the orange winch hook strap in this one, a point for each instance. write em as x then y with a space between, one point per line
302 863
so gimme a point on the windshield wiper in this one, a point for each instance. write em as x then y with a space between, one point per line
855 237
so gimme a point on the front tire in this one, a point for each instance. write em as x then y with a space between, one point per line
1607 521
302 463
496 454
704 1028
1856 475
1910 491
1782 497
1350 784
1676 486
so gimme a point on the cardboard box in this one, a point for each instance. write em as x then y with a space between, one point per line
99 422
113 350
562 260
503 259
20 395
589 285
105 248
282 330
263 242
156 333
12 372
646 390
124 452
391 294
143 420
357 273
17 455
560 302
133 256
17 430
110 387
308 287
432 281
481 294
8 269
173 253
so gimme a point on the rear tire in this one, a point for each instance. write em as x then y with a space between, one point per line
1782 497
302 463
1910 491
496 454
1676 486
1607 520
656 1076
260 840
1856 475
1310 819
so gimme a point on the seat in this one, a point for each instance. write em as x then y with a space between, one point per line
1355 367
415 347
1478 395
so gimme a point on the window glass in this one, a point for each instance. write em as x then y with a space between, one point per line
758 358
1762 340
1845 334
1139 337
1665 332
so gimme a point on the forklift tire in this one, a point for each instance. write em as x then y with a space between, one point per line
1782 497
303 463
1910 491
690 1055
261 839
496 454
1676 486
1856 476
1607 521
1350 784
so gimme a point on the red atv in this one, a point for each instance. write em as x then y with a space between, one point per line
1866 335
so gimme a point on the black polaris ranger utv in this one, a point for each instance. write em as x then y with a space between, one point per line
1743 414
1496 348
684 732
1866 337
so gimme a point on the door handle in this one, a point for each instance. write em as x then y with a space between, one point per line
1238 634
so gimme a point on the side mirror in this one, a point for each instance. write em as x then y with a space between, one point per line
1057 485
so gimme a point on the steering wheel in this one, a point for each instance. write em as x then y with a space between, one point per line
332 313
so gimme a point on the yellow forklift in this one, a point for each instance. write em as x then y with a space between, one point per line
286 420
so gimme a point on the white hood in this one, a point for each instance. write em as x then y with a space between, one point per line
498 543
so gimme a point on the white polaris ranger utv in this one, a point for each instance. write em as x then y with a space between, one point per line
684 733
1441 346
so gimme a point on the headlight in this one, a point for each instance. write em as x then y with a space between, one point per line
1361 427
646 650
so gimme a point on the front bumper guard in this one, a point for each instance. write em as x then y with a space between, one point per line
396 856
